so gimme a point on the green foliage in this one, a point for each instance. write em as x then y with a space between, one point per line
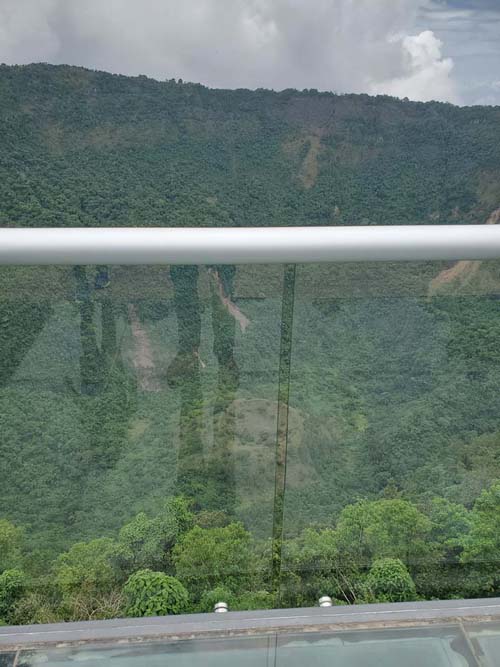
219 594
246 601
86 568
233 158
207 558
150 593
389 581
145 543
482 544
12 585
11 539
36 607
315 567
404 414
392 528
450 524
254 600
212 519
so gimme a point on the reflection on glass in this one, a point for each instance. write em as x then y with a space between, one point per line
414 647
260 435
446 645
485 641
138 428
254 652
392 488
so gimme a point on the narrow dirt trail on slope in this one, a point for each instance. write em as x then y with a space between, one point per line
463 270
231 307
143 354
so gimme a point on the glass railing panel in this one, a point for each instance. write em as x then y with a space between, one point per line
138 411
7 659
244 651
266 435
485 640
440 646
393 439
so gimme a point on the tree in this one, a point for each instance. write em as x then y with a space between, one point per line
389 581
444 576
150 593
315 567
482 544
145 543
11 539
86 568
207 558
12 585
450 524
392 528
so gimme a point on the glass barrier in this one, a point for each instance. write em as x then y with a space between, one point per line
138 411
173 437
439 645
393 449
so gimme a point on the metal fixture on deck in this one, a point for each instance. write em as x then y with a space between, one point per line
325 601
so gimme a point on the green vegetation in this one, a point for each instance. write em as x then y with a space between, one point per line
208 565
154 594
389 581
83 148
260 435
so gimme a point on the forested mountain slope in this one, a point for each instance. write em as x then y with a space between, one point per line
139 405
89 148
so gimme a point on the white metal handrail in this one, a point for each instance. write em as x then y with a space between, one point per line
247 245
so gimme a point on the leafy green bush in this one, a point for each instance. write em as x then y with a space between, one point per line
315 567
145 543
35 607
211 557
252 600
86 567
150 593
393 528
389 581
12 585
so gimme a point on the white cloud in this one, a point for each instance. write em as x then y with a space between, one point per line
342 45
426 74
25 31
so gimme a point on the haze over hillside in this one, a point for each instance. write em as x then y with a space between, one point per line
88 148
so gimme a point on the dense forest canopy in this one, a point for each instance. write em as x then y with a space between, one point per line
90 149
265 435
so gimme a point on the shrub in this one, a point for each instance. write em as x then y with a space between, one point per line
389 581
35 607
12 585
205 558
254 600
86 568
150 593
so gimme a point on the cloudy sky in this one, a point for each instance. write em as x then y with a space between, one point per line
421 49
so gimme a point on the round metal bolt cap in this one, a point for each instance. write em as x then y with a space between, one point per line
220 607
325 601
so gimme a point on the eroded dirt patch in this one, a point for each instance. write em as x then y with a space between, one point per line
142 357
463 270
